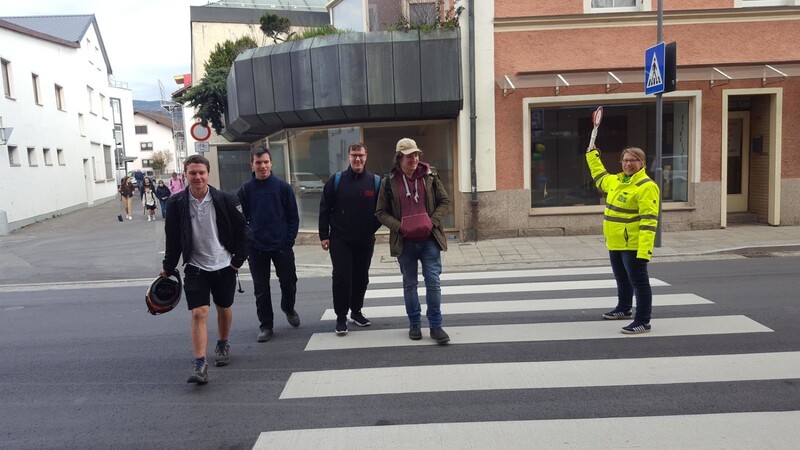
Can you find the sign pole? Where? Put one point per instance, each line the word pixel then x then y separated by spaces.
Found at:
pixel 659 118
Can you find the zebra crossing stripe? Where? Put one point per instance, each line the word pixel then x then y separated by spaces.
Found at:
pixel 549 304
pixel 544 375
pixel 748 430
pixel 510 287
pixel 539 332
pixel 504 274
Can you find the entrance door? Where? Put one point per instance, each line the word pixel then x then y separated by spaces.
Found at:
pixel 738 160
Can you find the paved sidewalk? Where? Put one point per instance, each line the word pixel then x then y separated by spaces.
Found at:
pixel 91 244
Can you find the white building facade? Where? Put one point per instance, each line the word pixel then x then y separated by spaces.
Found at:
pixel 60 154
pixel 153 133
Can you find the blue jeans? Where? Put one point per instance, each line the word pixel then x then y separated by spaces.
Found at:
pixel 163 208
pixel 632 278
pixel 429 254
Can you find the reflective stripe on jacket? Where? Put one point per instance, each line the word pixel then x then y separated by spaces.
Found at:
pixel 631 215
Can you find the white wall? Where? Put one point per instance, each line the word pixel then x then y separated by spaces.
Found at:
pixel 27 193
pixel 161 137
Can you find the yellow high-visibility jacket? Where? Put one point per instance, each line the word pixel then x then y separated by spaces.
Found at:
pixel 631 215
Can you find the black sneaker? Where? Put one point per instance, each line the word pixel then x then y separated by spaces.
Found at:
pixel 341 326
pixel 359 319
pixel 617 315
pixel 222 354
pixel 293 318
pixel 264 335
pixel 415 333
pixel 636 328
pixel 438 335
pixel 199 373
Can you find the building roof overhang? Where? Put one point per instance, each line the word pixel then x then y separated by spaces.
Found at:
pixel 719 75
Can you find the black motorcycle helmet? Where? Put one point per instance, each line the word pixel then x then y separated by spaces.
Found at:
pixel 164 294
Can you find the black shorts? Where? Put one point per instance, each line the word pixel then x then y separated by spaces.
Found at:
pixel 200 286
pixel 150 207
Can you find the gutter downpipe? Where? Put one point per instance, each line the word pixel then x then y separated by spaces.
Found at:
pixel 472 123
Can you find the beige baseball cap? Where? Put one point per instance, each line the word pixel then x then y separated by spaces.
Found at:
pixel 407 146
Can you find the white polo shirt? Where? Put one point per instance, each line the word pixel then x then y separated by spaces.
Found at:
pixel 207 252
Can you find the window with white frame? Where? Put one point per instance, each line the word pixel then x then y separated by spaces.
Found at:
pixel 59 97
pixel 109 162
pixel 146 146
pixel 13 156
pixel 90 98
pixel 32 160
pixel 37 93
pixel 60 157
pixel 48 157
pixel 608 6
pixel 8 81
pixel 757 3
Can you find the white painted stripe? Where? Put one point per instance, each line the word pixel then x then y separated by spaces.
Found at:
pixel 537 332
pixel 531 273
pixel 510 287
pixel 544 375
pixel 549 304
pixel 775 430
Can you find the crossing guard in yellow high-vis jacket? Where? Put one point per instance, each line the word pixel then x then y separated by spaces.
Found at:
pixel 630 220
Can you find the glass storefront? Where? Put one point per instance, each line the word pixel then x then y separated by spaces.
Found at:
pixel 560 135
pixel 311 156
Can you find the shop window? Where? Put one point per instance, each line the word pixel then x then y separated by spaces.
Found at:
pixel 609 6
pixel 559 136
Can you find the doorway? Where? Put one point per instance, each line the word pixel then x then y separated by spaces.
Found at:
pixel 738 156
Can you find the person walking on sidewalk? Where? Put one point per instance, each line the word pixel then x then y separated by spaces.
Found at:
pixel 271 211
pixel 630 220
pixel 163 194
pixel 207 227
pixel 126 189
pixel 176 184
pixel 347 227
pixel 149 201
pixel 412 203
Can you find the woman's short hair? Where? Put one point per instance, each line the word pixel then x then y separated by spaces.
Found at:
pixel 636 152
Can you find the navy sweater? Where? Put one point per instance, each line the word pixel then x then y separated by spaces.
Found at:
pixel 271 211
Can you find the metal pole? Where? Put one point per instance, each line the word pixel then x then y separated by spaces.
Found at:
pixel 659 119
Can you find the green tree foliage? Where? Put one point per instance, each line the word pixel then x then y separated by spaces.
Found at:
pixel 275 27
pixel 209 97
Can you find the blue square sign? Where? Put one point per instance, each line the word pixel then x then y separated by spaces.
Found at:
pixel 654 69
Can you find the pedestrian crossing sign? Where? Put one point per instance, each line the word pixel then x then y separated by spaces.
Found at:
pixel 654 69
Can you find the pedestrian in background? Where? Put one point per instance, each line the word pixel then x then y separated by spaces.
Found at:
pixel 630 220
pixel 347 226
pixel 163 194
pixel 146 182
pixel 176 184
pixel 207 228
pixel 149 202
pixel 412 203
pixel 139 177
pixel 269 205
pixel 126 189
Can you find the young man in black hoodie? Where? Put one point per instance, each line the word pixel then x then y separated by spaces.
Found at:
pixel 347 227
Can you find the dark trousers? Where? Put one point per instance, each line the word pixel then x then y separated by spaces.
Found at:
pixel 351 261
pixel 287 277
pixel 632 278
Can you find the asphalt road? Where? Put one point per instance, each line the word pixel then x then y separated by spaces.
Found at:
pixel 89 368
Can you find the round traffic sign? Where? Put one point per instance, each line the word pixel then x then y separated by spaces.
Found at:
pixel 200 132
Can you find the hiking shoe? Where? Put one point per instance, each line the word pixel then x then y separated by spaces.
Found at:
pixel 264 335
pixel 293 318
pixel 438 335
pixel 617 315
pixel 415 333
pixel 359 319
pixel 636 328
pixel 341 326
pixel 199 373
pixel 222 354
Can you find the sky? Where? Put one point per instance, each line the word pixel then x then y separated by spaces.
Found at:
pixel 146 40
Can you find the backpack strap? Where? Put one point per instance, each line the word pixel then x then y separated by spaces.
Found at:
pixel 377 183
pixel 337 177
